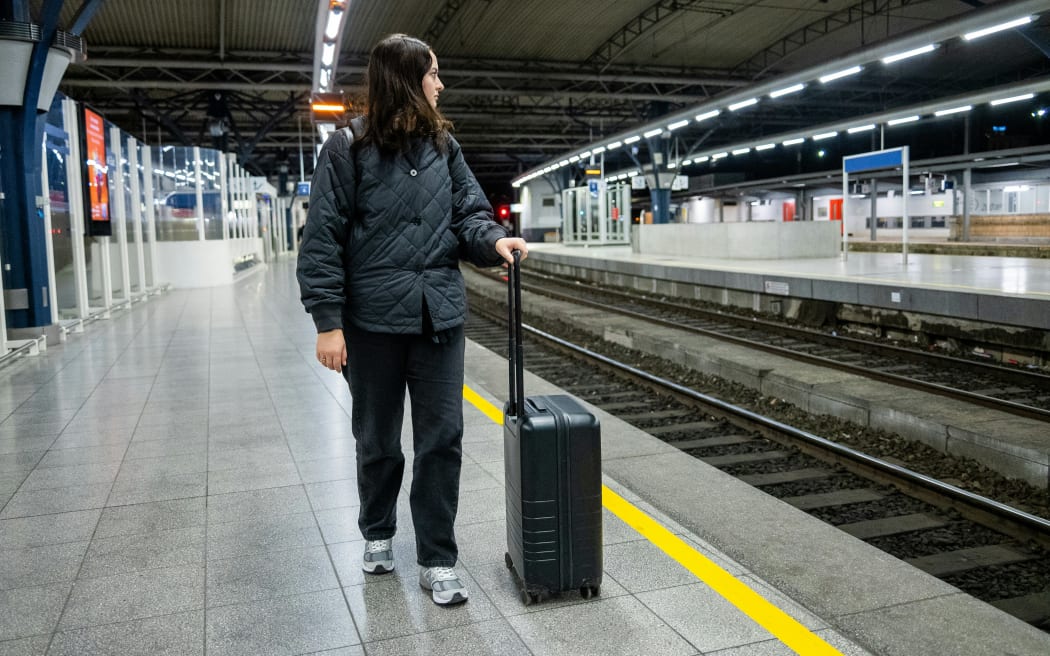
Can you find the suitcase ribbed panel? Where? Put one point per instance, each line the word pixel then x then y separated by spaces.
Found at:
pixel 553 484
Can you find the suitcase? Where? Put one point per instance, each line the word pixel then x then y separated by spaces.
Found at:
pixel 552 456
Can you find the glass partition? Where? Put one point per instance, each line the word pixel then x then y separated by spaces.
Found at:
pixel 56 159
pixel 176 176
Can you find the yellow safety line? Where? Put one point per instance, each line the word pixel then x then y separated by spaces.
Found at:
pixel 785 628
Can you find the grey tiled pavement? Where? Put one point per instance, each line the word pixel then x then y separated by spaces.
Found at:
pixel 180 480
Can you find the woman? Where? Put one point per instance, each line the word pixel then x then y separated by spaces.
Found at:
pixel 390 216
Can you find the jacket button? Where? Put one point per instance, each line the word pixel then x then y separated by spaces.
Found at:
pixel 412 173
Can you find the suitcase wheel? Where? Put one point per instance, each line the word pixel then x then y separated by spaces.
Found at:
pixel 506 559
pixel 528 599
pixel 588 591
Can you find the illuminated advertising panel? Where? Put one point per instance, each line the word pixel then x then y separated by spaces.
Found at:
pixel 96 176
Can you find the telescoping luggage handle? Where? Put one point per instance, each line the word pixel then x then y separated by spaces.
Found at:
pixel 516 357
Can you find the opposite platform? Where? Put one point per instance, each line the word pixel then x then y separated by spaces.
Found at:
pixel 1001 290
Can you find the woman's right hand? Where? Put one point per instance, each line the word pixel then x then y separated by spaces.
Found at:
pixel 331 349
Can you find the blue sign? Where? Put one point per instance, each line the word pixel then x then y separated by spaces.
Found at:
pixel 303 189
pixel 883 159
pixel 593 187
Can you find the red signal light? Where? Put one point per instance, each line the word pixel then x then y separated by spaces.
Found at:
pixel 504 211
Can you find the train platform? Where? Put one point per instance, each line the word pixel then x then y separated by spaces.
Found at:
pixel 179 479
pixel 1012 291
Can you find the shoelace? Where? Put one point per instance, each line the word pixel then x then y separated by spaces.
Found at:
pixel 376 546
pixel 442 574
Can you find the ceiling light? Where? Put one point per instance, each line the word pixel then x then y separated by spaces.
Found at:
pixel 687 162
pixel 767 146
pixel 701 159
pixel 1003 101
pixel 910 53
pixel 906 119
pixel 678 124
pixel 325 78
pixel 631 139
pixel 824 135
pixel 953 110
pixel 793 142
pixel 564 162
pixel 795 88
pixel 652 133
pixel 335 19
pixel 743 103
pixel 706 115
pixel 970 36
pixel 672 165
pixel 598 150
pixel 585 153
pixel 720 155
pixel 1015 188
pixel 328 54
pixel 741 151
pixel 834 76
pixel 861 128
pixel 574 158
pixel 614 145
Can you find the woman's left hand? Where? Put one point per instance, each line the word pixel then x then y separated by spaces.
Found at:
pixel 507 245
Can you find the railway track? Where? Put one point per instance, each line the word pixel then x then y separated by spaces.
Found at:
pixel 994 552
pixel 1017 391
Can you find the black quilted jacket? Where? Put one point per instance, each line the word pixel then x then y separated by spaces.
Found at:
pixel 383 233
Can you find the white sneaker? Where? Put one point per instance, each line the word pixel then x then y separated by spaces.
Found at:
pixel 445 587
pixel 378 558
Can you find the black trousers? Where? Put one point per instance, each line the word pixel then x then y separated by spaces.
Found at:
pixel 380 367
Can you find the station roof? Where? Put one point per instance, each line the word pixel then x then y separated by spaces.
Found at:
pixel 525 81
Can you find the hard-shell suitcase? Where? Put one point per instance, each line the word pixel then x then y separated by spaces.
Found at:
pixel 552 456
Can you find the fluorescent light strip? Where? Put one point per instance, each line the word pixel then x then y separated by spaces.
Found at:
pixel 574 159
pixel 910 53
pixel 706 115
pixel 743 103
pixel 672 165
pixel 901 121
pixel 767 146
pixel 614 145
pixel 861 128
pixel 720 155
pixel 599 150
pixel 585 153
pixel 795 88
pixel 687 162
pixel 953 110
pixel 701 159
pixel 970 36
pixel 335 19
pixel 652 133
pixel 741 151
pixel 678 124
pixel 632 139
pixel 824 135
pixel 1003 101
pixel 793 142
pixel 834 76
pixel 564 162
pixel 328 54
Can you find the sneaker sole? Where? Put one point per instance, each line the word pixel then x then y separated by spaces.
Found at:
pixel 457 598
pixel 378 568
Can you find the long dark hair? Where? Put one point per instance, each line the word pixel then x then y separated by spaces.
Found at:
pixel 397 109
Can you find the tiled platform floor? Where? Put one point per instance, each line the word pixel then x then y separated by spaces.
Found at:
pixel 180 480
